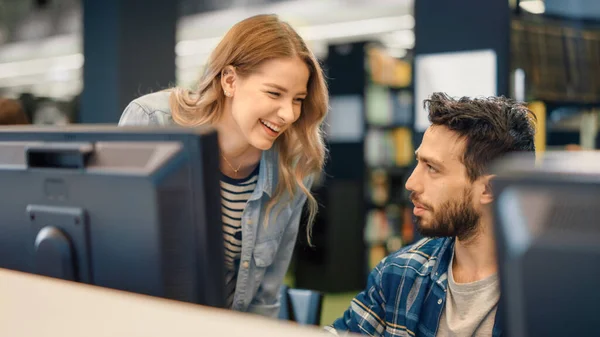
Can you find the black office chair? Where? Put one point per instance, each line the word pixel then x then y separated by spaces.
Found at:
pixel 301 306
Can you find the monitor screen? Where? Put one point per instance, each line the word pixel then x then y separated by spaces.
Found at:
pixel 135 209
pixel 547 225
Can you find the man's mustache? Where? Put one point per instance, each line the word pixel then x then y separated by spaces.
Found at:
pixel 416 201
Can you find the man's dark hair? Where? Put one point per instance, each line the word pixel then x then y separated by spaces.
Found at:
pixel 491 126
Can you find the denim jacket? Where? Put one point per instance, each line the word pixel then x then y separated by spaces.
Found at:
pixel 405 294
pixel 266 249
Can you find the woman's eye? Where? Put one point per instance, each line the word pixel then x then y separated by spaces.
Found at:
pixel 273 93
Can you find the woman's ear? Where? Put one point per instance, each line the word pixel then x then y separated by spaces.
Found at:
pixel 228 79
pixel 487 197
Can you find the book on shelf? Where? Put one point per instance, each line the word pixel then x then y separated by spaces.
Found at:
pixel 379 108
pixel 389 148
pixel 387 70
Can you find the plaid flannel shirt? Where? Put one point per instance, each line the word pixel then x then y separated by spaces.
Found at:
pixel 405 294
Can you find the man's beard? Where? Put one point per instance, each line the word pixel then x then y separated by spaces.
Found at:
pixel 455 218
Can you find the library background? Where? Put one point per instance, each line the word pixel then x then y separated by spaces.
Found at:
pixel 382 58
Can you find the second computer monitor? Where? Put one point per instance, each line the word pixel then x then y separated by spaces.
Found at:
pixel 547 225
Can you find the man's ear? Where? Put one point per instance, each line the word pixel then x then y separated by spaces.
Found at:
pixel 228 80
pixel 487 196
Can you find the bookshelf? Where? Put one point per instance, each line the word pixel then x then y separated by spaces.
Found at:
pixel 364 210
pixel 389 153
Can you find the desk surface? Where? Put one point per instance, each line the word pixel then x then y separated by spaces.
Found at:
pixel 33 305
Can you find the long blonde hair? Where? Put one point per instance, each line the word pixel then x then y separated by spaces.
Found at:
pixel 245 46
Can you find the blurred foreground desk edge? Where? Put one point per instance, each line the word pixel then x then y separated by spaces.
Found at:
pixel 32 305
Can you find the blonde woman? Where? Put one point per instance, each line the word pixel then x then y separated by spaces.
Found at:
pixel 265 93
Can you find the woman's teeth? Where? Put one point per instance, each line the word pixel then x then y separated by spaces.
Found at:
pixel 270 126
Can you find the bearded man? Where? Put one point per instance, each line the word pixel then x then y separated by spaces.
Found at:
pixel 447 283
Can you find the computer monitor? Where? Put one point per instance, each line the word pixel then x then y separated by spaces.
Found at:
pixel 547 226
pixel 129 208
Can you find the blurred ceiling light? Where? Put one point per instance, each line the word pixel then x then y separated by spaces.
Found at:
pixel 330 31
pixel 199 46
pixel 41 66
pixel 396 52
pixel 357 28
pixel 71 76
pixel 296 12
pixel 60 45
pixel 64 53
pixel 400 39
pixel 533 6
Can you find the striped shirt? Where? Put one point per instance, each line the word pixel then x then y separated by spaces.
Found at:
pixel 405 294
pixel 234 195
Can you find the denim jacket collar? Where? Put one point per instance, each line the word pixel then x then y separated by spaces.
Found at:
pixel 268 173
